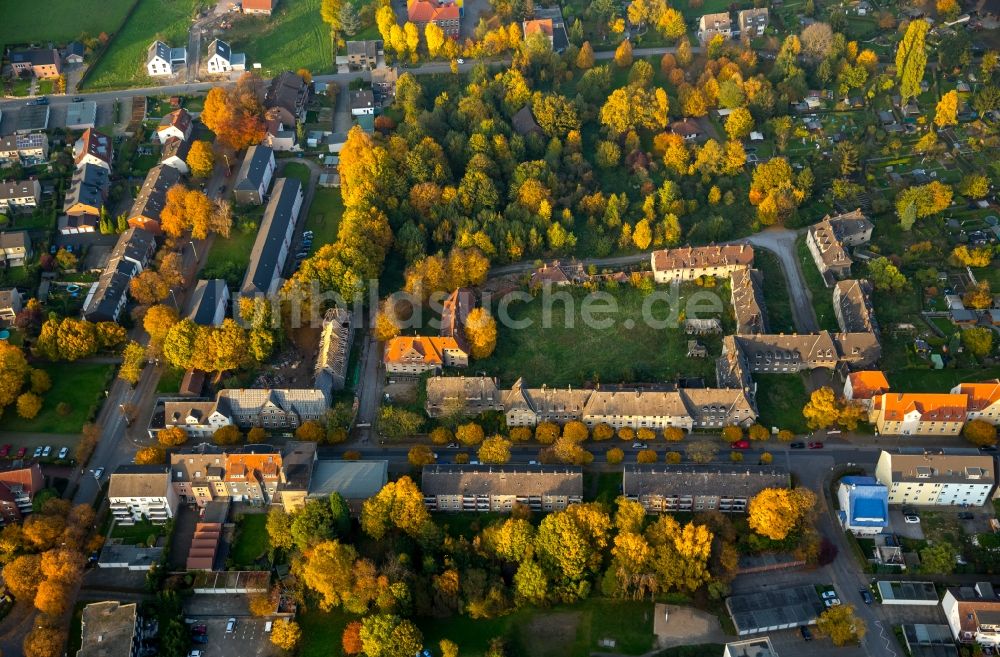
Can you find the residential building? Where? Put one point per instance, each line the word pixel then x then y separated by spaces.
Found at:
pixel 497 488
pixel 10 305
pixel 560 38
pixel 748 300
pixel 414 355
pixel 527 407
pixel 828 241
pixel 334 350
pixel 161 59
pixel 208 303
pixel 355 481
pixel 559 274
pixel 759 647
pixel 636 409
pixel 18 195
pixel 132 252
pixel 719 407
pixel 287 96
pixel 152 198
pixel 384 85
pixel 222 59
pixel 448 396
pixel 174 155
pixel 272 408
pixel 524 123
pixel 44 63
pixel 686 128
pixel 274 239
pixel 795 352
pixel 864 505
pixel 254 177
pixel 15 248
pixel 542 26
pixel 753 22
pixel 27 149
pixel 95 148
pixel 264 7
pixel 665 488
pixel 88 190
pixel 363 54
pixel 691 262
pixel 74 52
pixel 175 125
pixel 973 614
pixel 279 136
pixel 298 461
pixel 758 612
pixel 455 314
pixel 199 419
pixel 141 492
pixel 81 115
pixel 936 479
pixel 853 307
pixel 864 386
pixel 919 414
pixel 32 118
pixel 362 102
pixel 710 25
pixel 18 488
pixel 909 593
pixel 109 629
pixel 983 400
pixel 445 16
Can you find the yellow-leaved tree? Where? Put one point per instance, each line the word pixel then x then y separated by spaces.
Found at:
pixel 481 331
pixel 776 512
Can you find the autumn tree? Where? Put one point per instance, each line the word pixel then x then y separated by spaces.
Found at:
pixel 702 451
pixel 776 512
pixel 979 296
pixel 28 405
pixel 980 433
pixel 977 340
pixel 946 113
pixel 157 322
pixel 172 436
pixel 398 505
pixel 470 434
pixel 614 456
pixel 133 360
pixel 775 190
pixel 817 40
pixel 44 641
pixel 481 331
pixel 420 455
pixel 732 433
pixel 350 640
pixel 227 435
pixel 236 115
pixel 285 634
pixel 52 597
pixel 495 450
pixel 623 54
pixel 585 56
pixel 739 123
pixel 22 575
pixel 150 456
pixel 911 60
pixel 972 256
pixel 384 635
pixel 885 275
pixel 840 623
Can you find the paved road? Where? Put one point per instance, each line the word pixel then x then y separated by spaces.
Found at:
pixel 781 242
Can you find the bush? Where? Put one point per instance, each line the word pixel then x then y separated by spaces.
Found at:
pixel 646 456
pixel 980 433
pixel 576 431
pixel 626 433
pixel 766 458
pixel 673 458
pixel 673 434
pixel 442 436
pixel 63 409
pixel 732 434
pixel 615 456
pixel 546 433
pixel 735 457
pixel 757 432
pixel 462 458
pixel 520 434
pixel 646 434
pixel 603 431
pixel 786 436
pixel 352 455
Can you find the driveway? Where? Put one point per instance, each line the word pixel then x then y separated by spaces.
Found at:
pixel 781 242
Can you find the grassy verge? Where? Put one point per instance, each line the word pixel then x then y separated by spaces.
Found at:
pixel 822 296
pixel 251 541
pixel 776 299
pixel 80 385
pixel 780 398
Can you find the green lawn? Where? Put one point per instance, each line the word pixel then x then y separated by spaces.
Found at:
pixel 822 296
pixel 298 171
pixel 251 541
pixel 294 37
pixel 80 385
pixel 140 532
pixel 776 299
pixel 170 381
pixel 927 380
pixel 229 257
pixel 780 398
pixel 61 21
pixel 124 63
pixel 321 632
pixel 324 216
pixel 558 348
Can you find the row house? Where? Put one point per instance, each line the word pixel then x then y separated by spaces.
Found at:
pixel 983 400
pixel 174 154
pixel 152 198
pixel 637 409
pixel 175 125
pixel 414 355
pixel 254 177
pixel 448 396
pixel 274 239
pixel 105 300
pixel 919 414
pixel 527 407
pixel 141 492
pixel 665 488
pixel 27 150
pixel 853 307
pixel 748 300
pixel 272 408
pixel 498 488
pixel 16 195
pixel 936 479
pixel 15 248
pixel 828 241
pixel 85 198
pixel 691 262
pixel 794 353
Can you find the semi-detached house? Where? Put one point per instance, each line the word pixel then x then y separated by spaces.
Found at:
pixel 666 488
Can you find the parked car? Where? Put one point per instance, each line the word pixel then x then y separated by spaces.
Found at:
pixel 199 638
pixel 826 595
pixel 866 596
pixel 988 448
pixel 38 452
pixel 453 446
pixel 46 450
pixel 21 452
pixel 911 520
pixel 964 515
pixel 5 450
pixel 64 452
pixel 798 445
pixel 195 653
pixel 98 473
pixel 832 602
pixel 640 446
pixel 307 233
pixel 740 444
pixel 815 445
pixel 806 634
pixel 230 625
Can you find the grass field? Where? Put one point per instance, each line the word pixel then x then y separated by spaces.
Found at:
pixel 294 37
pixel 140 532
pixel 776 299
pixel 548 344
pixel 780 398
pixel 298 171
pixel 321 632
pixel 251 540
pixel 927 380
pixel 822 296
pixel 324 216
pixel 80 385
pixel 64 20
pixel 124 64
pixel 229 257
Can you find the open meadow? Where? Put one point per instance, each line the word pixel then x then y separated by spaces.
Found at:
pixel 294 37
pixel 64 20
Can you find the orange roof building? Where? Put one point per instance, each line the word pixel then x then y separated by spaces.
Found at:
pixel 984 400
pixel 445 16
pixel 916 414
pixel 418 354
pixel 539 26
pixel 865 384
pixel 259 6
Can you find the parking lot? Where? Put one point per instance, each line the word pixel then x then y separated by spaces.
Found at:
pixel 248 639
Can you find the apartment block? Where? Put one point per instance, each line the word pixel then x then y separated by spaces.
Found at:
pixel 497 488
pixel 665 488
pixel 919 414
pixel 141 492
pixel 973 614
pixel 936 479
pixel 828 241
pixel 691 262
pixel 414 355
pixel 711 25
pixel 983 400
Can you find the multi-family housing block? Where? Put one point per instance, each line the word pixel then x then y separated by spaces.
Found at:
pixel 973 614
pixel 665 488
pixel 919 414
pixel 132 252
pixel 274 239
pixel 445 15
pixel 29 149
pixel 691 262
pixel 448 396
pixel 19 195
pixel 17 492
pixel 152 198
pixel 334 350
pixel 414 355
pixel 828 241
pixel 254 177
pixel 864 385
pixel 497 488
pixel 710 25
pixel 752 22
pixel 141 492
pixel 109 629
pixel 853 308
pixel 864 505
pixel 748 300
pixel 983 400
pixel 936 479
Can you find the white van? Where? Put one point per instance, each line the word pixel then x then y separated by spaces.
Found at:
pixel 267 626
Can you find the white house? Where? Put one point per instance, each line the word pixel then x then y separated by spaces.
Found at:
pixel 973 614
pixel 176 125
pixel 199 419
pixel 161 59
pixel 936 479
pixel 138 492
pixel 222 59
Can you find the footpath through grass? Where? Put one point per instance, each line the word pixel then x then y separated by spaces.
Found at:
pixel 81 385
pixel 124 63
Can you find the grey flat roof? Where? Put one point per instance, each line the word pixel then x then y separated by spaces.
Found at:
pixel 893 590
pixel 354 480
pixel 765 611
